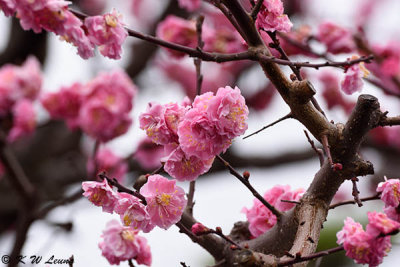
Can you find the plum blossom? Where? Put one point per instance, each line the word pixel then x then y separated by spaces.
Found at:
pixel 271 17
pixel 100 194
pixel 123 243
pixel 110 163
pixel 8 7
pixel 133 213
pixel 337 39
pixel 18 82
pixel 55 17
pixel 390 190
pixel 353 79
pixel 183 167
pixel 165 201
pixel 149 154
pixel 260 218
pixel 178 30
pixel 209 127
pixel 105 113
pixel 24 120
pixel 199 229
pixel 161 122
pixel 367 247
pixel 65 104
pixel 107 32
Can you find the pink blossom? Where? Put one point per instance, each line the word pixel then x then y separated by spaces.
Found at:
pixel 177 30
pixel 392 213
pixel 133 213
pixel 165 201
pixel 108 32
pixel 366 247
pixel 65 104
pixel 271 17
pixel 54 16
pixel 198 135
pixel 229 112
pixel 105 112
pixel 18 82
pixel 102 124
pixel 260 218
pixel 149 154
pixel 209 127
pixel 122 243
pixel 390 192
pixel 183 167
pixel 100 194
pixel 337 39
pixel 161 122
pixel 390 54
pixel 379 223
pixel 353 79
pixel 24 120
pixel 223 40
pixel 114 89
pixel 107 161
pixel 8 7
pixel 199 229
pixel 190 5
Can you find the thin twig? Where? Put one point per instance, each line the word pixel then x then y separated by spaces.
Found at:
pixel 256 9
pixel 197 61
pixel 290 201
pixel 71 261
pixel 311 256
pixel 355 192
pixel 288 116
pixel 374 197
pixel 218 232
pixel 276 212
pixel 319 151
pixel 390 121
pixel 130 263
pixel 327 148
pixel 122 188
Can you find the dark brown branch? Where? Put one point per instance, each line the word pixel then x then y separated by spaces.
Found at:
pixel 319 151
pixel 197 61
pixel 311 256
pixel 288 116
pixel 374 197
pixel 390 121
pixel 63 201
pixel 244 181
pixel 218 232
pixel 327 148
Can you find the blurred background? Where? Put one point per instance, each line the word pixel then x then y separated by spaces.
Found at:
pixel 55 158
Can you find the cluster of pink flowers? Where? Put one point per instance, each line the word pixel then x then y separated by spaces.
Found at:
pixel 352 81
pixel 367 247
pixel 19 87
pixel 122 243
pixel 260 218
pixel 336 38
pixel 193 136
pixel 390 195
pixel 106 31
pixel 165 203
pixel 271 17
pixel 183 32
pixel 107 161
pixel 100 108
